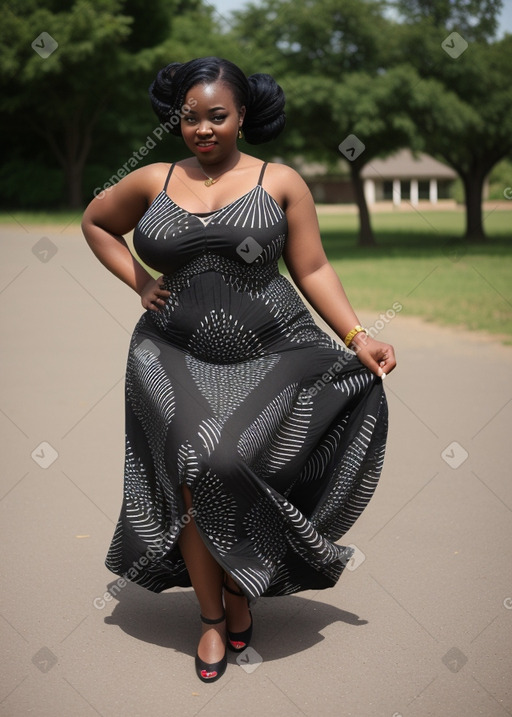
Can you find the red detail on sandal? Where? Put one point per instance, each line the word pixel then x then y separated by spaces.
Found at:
pixel 237 644
pixel 208 675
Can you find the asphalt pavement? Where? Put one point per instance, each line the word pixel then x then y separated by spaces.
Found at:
pixel 420 624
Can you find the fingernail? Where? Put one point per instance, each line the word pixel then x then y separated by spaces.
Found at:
pixel 383 375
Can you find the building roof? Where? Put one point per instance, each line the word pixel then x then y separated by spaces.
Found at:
pixel 403 165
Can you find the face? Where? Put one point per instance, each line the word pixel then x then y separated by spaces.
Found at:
pixel 210 127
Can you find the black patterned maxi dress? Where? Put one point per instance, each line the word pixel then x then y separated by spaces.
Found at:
pixel 233 390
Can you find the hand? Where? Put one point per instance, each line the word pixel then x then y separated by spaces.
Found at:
pixel 375 355
pixel 153 295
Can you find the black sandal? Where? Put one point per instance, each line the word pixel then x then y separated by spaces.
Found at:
pixel 209 672
pixel 238 641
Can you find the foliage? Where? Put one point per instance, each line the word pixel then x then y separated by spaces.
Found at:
pixel 474 19
pixel 500 181
pixel 329 58
pixel 462 107
pixel 87 101
pixel 350 69
pixel 347 68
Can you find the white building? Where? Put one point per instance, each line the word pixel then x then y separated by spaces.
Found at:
pixel 402 176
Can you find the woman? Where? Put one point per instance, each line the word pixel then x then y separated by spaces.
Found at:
pixel 253 440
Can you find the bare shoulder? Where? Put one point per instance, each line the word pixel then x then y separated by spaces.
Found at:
pixel 121 204
pixel 285 184
pixel 148 180
pixel 284 173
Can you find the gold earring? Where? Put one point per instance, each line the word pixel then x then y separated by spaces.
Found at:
pixel 240 135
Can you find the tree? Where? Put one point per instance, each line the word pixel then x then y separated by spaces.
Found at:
pixel 63 93
pixel 360 119
pixel 462 106
pixel 343 65
pixel 87 97
pixel 474 19
pixel 329 58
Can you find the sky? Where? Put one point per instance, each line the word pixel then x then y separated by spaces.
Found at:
pixel 224 7
pixel 506 16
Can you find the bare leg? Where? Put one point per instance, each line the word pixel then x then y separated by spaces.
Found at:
pixel 237 608
pixel 207 577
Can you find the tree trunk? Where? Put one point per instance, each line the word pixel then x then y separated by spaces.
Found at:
pixel 73 172
pixel 71 146
pixel 77 143
pixel 473 189
pixel 366 237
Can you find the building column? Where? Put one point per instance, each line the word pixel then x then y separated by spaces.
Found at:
pixel 369 191
pixel 397 192
pixel 414 192
pixel 432 192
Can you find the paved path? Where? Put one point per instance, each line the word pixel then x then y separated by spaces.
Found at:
pixel 420 625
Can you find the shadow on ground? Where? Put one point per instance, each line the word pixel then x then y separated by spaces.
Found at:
pixel 283 625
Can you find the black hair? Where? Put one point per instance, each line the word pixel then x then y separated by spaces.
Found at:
pixel 262 97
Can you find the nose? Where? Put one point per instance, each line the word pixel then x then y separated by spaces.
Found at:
pixel 204 127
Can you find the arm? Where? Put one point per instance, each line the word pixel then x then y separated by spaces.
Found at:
pixel 116 212
pixel 315 277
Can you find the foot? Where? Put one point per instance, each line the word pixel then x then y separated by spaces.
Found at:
pixel 212 644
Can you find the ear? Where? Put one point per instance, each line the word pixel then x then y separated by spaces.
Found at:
pixel 241 114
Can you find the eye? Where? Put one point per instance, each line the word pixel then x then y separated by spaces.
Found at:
pixel 219 118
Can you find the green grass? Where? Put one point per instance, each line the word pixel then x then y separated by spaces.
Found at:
pixel 421 262
pixel 63 217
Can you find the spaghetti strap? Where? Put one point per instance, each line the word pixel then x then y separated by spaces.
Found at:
pixel 262 172
pixel 168 177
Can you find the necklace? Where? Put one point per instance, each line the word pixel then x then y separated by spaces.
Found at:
pixel 211 180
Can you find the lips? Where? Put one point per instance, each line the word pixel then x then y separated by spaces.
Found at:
pixel 205 146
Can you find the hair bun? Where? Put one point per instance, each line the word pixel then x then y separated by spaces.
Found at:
pixel 265 116
pixel 162 92
pixel 260 94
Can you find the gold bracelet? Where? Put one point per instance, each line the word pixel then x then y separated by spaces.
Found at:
pixel 349 337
